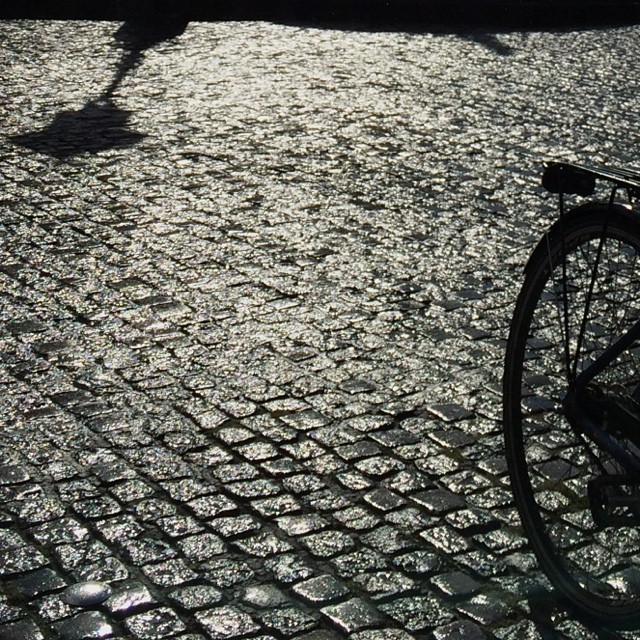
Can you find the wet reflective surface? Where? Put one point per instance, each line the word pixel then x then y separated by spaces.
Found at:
pixel 250 359
pixel 85 594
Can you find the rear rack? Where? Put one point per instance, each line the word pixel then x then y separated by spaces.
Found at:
pixel 577 179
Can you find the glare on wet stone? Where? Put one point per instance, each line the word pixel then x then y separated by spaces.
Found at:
pixel 253 334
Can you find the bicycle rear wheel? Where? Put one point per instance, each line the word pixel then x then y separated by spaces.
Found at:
pixel 581 292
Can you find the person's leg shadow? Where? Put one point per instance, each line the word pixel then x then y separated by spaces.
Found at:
pixel 101 124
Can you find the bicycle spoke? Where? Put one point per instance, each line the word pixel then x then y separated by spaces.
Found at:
pixel 587 302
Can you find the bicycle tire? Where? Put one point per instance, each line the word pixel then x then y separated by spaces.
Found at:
pixel 596 567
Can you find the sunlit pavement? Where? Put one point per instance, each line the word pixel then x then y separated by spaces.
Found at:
pixel 256 281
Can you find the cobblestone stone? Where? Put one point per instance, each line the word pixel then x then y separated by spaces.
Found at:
pixel 128 599
pixel 88 624
pixel 288 569
pixel 20 560
pixel 456 583
pixel 38 582
pixel 195 597
pixel 226 622
pixel 322 589
pixel 463 630
pixel 385 584
pixel 352 615
pixel 287 620
pixel 24 630
pixel 418 613
pixel 486 609
pixel 155 625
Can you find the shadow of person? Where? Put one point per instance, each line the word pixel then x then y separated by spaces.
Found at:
pixel 100 124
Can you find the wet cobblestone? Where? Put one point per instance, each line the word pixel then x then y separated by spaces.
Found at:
pixel 256 281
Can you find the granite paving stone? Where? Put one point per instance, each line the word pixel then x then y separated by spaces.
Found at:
pixel 281 467
pixel 358 518
pixel 384 500
pixel 11 539
pixel 264 596
pixel 211 506
pixel 85 625
pixel 385 584
pixel 320 635
pixel 51 607
pixel 418 613
pixel 191 598
pixel 502 541
pixel 287 620
pixel 446 539
pixel 257 276
pixel 419 563
pixel 129 598
pixel 272 507
pixel 146 550
pixel 201 547
pixel 410 519
pixel 299 525
pixel 226 622
pixel 462 630
pixel 38 582
pixel 438 501
pixel 456 583
pixel 327 544
pixel 131 490
pixel 179 526
pixel 486 608
pixel 472 521
pixel 20 560
pixel 8 612
pixel 483 563
pixel 14 474
pixel 262 545
pixel 169 573
pixel 122 529
pixel 288 569
pixel 352 564
pixel 354 480
pixel 227 572
pixel 321 589
pixel 352 615
pixel 379 634
pixel 108 569
pixel 156 624
pixel 234 526
pixel 37 508
pixel 387 539
pixel 23 630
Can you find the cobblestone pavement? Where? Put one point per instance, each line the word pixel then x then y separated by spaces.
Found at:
pixel 256 280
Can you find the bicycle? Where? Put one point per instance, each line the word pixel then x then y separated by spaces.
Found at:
pixel 571 396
